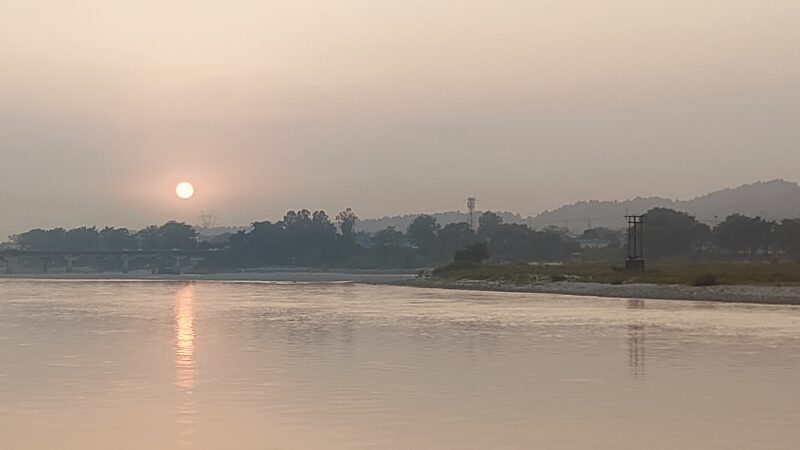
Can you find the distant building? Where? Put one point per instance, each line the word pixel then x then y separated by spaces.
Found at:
pixel 593 243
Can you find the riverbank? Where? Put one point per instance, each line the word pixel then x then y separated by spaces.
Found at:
pixel 757 294
pixel 669 273
pixel 299 276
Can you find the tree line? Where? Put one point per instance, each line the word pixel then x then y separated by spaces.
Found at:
pixel 670 234
pixel 315 239
pixel 171 235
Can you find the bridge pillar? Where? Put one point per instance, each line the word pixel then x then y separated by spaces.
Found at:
pixel 178 259
pixel 70 262
pixel 126 259
pixel 11 262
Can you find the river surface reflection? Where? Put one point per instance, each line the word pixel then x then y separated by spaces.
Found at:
pixel 213 365
pixel 184 358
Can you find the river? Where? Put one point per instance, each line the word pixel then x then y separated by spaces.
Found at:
pixel 249 365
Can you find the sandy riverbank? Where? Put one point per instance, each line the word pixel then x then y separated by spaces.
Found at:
pixel 760 294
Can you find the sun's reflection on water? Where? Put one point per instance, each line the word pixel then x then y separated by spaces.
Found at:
pixel 184 358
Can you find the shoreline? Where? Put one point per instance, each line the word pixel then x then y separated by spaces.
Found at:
pixel 299 276
pixel 753 294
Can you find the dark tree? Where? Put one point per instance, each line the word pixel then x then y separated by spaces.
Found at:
pixel 552 244
pixel 388 249
pixel 263 245
pixel 297 222
pixel 297 226
pixel 422 232
pixel 348 245
pixel 117 239
pixel 321 224
pixel 347 222
pixel 787 237
pixel 387 238
pixel 452 237
pixel 511 242
pixel 83 238
pixel 742 234
pixel 322 241
pixel 487 224
pixel 671 234
pixel 39 239
pixel 177 235
pixel 238 249
pixel 477 253
pixel 150 238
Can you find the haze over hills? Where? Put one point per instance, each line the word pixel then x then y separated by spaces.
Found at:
pixel 772 200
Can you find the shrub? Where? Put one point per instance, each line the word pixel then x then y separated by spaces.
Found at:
pixel 476 253
pixel 707 279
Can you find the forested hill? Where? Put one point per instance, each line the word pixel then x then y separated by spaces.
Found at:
pixel 772 200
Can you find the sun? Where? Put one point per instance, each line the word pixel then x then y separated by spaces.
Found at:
pixel 184 190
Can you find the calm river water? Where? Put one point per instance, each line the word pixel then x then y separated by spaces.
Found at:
pixel 221 365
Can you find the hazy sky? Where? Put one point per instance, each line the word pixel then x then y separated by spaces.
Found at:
pixel 385 106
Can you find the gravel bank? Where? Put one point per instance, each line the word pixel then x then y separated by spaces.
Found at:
pixel 761 294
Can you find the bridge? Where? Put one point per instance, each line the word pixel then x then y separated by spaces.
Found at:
pixel 12 258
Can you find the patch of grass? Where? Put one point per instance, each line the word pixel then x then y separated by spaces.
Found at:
pixel 659 273
pixel 455 267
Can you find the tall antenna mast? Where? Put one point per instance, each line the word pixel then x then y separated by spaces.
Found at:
pixel 471 201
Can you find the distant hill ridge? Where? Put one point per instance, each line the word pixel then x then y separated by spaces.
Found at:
pixel 772 200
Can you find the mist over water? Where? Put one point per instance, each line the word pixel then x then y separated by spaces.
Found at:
pixel 124 365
